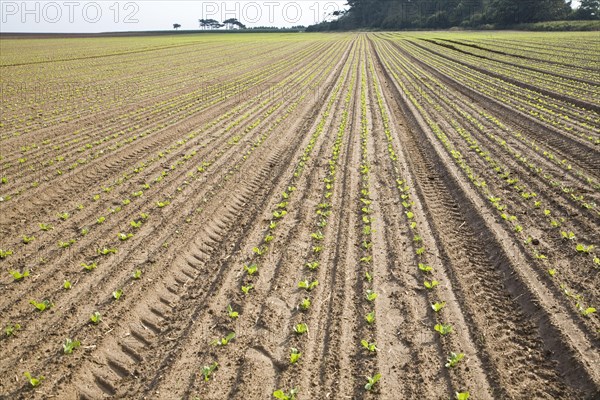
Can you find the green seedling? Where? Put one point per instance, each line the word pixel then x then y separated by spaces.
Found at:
pixel 64 216
pixel 136 225
pixel 371 295
pixel 67 285
pixel 443 329
pixel 42 306
pixel 305 304
pixel 425 268
pixel 224 341
pixel 370 317
pixel 281 395
pixel 568 235
pixel 70 345
pixel 137 274
pixel 106 251
pixel 454 359
pixel 269 238
pixel 279 214
pixel 371 381
pixel 89 267
pixel 312 265
pixel 462 395
pixel 28 239
pixel 232 314
pixel 247 288
pixel 581 248
pixel 207 370
pixel 5 253
pixel 100 220
pixel 294 355
pixel 251 269
pixel 309 286
pixel 18 276
pixel 368 276
pixel 317 249
pixel 144 216
pixel 124 236
pixel 301 329
pixel 84 231
pixel 273 225
pixel 585 311
pixel 317 236
pixel 438 306
pixel 260 251
pixel 367 259
pixel 117 294
pixel 11 330
pixel 161 204
pixel 64 245
pixel 96 317
pixel 372 347
pixel 45 227
pixel 431 284
pixel 33 381
pixel 420 251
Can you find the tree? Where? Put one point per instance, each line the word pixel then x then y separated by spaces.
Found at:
pixel 176 26
pixel 588 9
pixel 209 23
pixel 231 22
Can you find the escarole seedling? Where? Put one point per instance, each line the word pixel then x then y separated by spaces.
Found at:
pixel 371 381
pixel 232 314
pixel 69 345
pixel 207 370
pixel 370 317
pixel 371 295
pixel 5 253
pixel 308 285
pixel 454 359
pixel 312 265
pixel 95 318
pixel 33 381
pixel 251 269
pixel 294 355
pixel 301 329
pixel 224 341
pixel 443 329
pixel 11 330
pixel 431 284
pixel 425 268
pixel 462 395
pixel 246 289
pixel 18 276
pixel 89 267
pixel 438 306
pixel 281 395
pixel 372 347
pixel 305 304
pixel 41 306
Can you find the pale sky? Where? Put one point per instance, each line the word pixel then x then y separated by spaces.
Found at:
pixel 73 16
pixel 142 15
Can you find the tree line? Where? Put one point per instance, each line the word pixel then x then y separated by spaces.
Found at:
pixel 443 14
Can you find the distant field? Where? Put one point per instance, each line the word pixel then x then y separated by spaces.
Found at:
pixel 352 216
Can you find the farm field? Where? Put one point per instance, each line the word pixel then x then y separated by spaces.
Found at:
pixel 309 216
